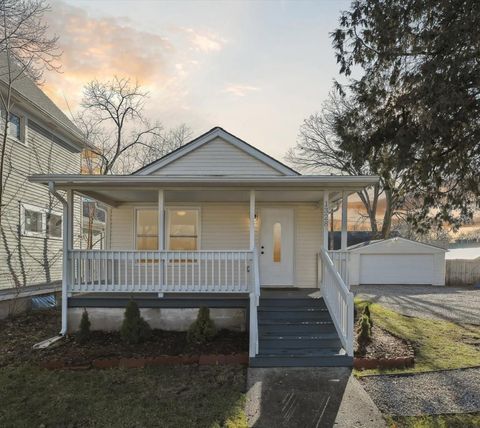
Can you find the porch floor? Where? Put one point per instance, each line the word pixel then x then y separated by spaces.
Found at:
pixel 187 300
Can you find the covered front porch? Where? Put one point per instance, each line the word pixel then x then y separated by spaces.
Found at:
pixel 243 235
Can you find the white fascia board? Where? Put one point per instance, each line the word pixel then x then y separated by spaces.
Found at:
pixel 209 136
pixel 67 180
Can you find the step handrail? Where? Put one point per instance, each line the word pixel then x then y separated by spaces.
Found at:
pixel 339 301
pixel 254 302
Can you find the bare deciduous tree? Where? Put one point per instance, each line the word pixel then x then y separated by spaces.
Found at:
pixel 318 149
pixel 26 50
pixel 114 123
pixel 120 137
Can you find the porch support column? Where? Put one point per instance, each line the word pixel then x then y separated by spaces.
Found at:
pixel 67 278
pixel 161 219
pixel 70 219
pixel 252 220
pixel 344 221
pixel 326 209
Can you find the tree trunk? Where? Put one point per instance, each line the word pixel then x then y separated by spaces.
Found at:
pixel 387 218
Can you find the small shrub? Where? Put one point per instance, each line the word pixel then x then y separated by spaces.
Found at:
pixel 366 311
pixel 134 328
pixel 203 329
pixel 364 332
pixel 83 333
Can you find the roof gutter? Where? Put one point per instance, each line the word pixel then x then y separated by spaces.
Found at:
pixel 66 246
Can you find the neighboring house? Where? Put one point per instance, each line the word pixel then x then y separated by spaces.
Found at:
pixel 397 261
pixel 217 223
pixel 41 140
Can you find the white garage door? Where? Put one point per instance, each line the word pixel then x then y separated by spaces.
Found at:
pixel 396 269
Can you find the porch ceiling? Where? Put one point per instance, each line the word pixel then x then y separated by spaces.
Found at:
pixel 115 190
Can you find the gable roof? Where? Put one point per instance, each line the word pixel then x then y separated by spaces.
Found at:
pixel 208 136
pixel 29 92
pixel 397 238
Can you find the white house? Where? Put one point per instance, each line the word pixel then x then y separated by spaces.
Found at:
pixel 396 261
pixel 217 223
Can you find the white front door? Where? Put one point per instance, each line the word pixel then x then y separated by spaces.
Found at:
pixel 276 246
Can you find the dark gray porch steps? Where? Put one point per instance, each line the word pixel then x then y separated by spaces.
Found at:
pixel 297 333
pixel 291 303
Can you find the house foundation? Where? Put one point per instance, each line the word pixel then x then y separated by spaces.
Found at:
pixel 110 319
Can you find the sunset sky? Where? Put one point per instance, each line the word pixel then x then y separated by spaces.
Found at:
pixel 255 68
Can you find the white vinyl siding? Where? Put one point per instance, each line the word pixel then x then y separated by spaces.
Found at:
pixel 218 157
pixel 225 226
pixel 39 155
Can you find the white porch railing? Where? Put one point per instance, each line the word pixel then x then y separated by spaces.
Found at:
pixel 161 271
pixel 338 299
pixel 340 259
pixel 169 271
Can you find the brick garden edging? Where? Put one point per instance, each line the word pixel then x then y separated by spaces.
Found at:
pixel 383 363
pixel 142 362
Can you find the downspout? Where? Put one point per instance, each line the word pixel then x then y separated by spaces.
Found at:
pixel 66 246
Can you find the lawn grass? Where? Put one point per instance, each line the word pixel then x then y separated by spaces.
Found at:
pixel 439 345
pixel 468 420
pixel 186 396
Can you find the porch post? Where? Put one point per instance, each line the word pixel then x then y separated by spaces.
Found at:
pixel 161 238
pixel 252 220
pixel 325 219
pixel 344 220
pixel 161 219
pixel 68 220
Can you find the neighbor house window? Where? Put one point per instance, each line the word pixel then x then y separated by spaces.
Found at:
pixel 183 227
pixel 40 222
pixel 32 220
pixel 146 229
pixel 94 224
pixel 54 225
pixel 14 126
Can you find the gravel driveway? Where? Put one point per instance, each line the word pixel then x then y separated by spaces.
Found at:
pixel 449 391
pixel 459 305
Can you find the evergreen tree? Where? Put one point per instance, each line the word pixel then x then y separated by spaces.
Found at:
pixel 417 98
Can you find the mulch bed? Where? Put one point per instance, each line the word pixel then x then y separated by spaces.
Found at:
pixel 18 335
pixel 384 351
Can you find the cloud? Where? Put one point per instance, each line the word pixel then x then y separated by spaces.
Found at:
pixel 205 41
pixel 240 90
pixel 101 47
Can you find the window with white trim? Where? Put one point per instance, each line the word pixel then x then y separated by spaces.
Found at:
pixel 146 229
pixel 16 125
pixel 40 222
pixel 183 229
pixel 54 225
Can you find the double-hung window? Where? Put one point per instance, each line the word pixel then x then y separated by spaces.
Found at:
pixel 15 126
pixel 146 229
pixel 183 229
pixel 40 222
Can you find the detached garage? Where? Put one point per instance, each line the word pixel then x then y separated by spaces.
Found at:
pixel 396 261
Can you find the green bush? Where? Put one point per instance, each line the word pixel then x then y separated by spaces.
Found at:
pixel 364 332
pixel 366 311
pixel 134 328
pixel 203 329
pixel 83 333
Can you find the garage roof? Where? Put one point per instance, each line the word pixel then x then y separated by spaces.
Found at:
pixel 390 241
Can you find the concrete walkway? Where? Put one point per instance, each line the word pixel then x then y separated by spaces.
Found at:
pixel 458 305
pixel 304 398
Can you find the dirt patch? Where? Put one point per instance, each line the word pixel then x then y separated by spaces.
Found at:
pixel 17 335
pixel 384 346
